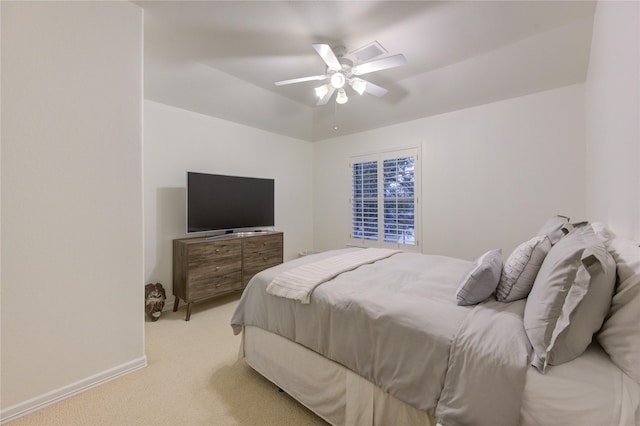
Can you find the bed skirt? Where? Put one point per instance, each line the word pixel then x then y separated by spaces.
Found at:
pixel 330 390
pixel 565 395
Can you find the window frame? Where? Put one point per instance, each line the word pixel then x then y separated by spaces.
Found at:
pixel 379 158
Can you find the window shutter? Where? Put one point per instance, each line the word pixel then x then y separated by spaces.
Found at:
pixel 399 200
pixel 364 204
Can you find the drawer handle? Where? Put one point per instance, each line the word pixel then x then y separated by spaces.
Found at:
pixel 264 258
pixel 217 268
pixel 218 285
pixel 217 250
pixel 264 243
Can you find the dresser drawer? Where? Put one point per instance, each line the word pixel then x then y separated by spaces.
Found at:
pixel 262 259
pixel 256 262
pixel 215 267
pixel 205 288
pixel 201 253
pixel 263 243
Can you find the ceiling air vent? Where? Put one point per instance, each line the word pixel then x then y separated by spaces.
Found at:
pixel 369 51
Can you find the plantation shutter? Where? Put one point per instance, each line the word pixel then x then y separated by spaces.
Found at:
pixel 399 200
pixel 364 190
pixel 383 199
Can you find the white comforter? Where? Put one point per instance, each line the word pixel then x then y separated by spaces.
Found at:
pixel 395 322
pixel 298 283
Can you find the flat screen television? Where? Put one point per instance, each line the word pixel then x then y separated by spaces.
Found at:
pixel 220 202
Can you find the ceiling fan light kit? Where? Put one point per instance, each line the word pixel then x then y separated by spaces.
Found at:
pixel 341 97
pixel 341 71
pixel 321 91
pixel 358 85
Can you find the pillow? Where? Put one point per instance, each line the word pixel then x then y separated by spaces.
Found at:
pixel 521 268
pixel 625 254
pixel 481 280
pixel 553 228
pixel 570 298
pixel 620 333
pixel 602 232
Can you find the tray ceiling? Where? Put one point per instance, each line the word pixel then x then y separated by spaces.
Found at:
pixel 222 58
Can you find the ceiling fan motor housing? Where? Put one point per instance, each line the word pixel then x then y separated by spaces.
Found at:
pixel 339 51
pixel 339 77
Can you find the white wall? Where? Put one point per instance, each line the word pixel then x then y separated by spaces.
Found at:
pixel 71 235
pixel 613 118
pixel 491 175
pixel 177 140
pixel 72 248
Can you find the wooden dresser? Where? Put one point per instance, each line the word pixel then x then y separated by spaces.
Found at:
pixel 209 267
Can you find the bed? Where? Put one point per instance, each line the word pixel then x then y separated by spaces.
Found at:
pixel 409 338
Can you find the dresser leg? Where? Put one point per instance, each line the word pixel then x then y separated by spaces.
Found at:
pixel 188 311
pixel 175 303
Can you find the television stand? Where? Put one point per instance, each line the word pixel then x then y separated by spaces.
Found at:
pixel 207 267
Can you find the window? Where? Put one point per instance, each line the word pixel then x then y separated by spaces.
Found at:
pixel 384 198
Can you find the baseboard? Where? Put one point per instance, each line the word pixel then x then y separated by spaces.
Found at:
pixel 34 404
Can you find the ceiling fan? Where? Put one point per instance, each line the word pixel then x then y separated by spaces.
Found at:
pixel 342 71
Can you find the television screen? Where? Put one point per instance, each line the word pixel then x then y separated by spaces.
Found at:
pixel 220 202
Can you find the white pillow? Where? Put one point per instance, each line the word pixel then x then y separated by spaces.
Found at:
pixel 521 268
pixel 605 234
pixel 552 228
pixel 570 298
pixel 620 333
pixel 481 280
pixel 625 253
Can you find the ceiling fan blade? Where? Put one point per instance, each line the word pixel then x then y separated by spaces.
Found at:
pixel 327 55
pixel 379 64
pixel 374 89
pixel 325 98
pixel 302 79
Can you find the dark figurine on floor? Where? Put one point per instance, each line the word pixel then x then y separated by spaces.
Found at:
pixel 154 300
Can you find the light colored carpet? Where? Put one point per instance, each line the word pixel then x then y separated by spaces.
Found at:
pixel 194 377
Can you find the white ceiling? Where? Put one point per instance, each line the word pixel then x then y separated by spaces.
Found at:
pixel 222 58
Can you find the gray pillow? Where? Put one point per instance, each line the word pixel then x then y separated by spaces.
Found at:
pixel 553 228
pixel 521 268
pixel 570 298
pixel 480 281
